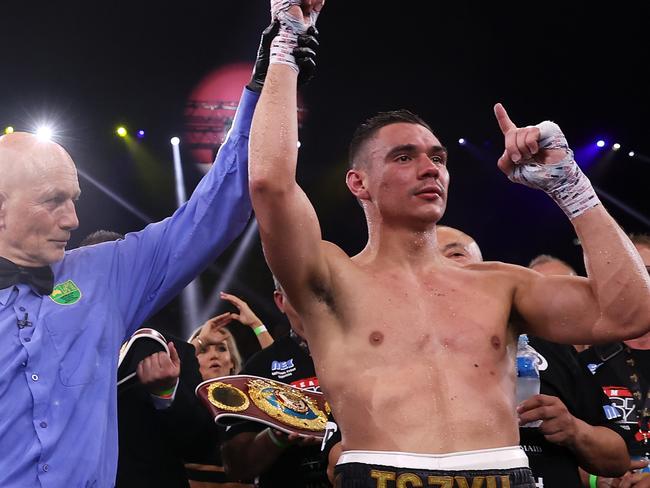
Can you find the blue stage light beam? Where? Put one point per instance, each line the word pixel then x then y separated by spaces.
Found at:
pixel 115 197
pixel 622 206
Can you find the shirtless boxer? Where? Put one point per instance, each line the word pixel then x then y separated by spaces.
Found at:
pixel 415 353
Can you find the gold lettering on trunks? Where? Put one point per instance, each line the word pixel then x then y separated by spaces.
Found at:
pixel 441 481
pixel 477 482
pixel 382 477
pixel 413 481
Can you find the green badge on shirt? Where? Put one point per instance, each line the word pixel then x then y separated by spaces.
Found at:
pixel 66 293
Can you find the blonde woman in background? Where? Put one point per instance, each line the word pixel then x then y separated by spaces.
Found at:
pixel 218 355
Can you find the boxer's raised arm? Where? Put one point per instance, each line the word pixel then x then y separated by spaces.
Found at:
pixel 289 227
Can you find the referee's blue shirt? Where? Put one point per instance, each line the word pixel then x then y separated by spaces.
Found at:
pixel 58 425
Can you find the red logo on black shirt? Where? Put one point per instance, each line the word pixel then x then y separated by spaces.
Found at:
pixel 622 400
pixel 307 384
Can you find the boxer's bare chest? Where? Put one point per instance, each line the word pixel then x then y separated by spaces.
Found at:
pixel 387 314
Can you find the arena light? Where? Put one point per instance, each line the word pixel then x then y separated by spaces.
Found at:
pixel 121 131
pixel 616 146
pixel 44 133
pixel 9 130
pixel 462 141
pixel 600 143
pixel 298 144
pixel 631 154
pixel 175 141
pixel 140 133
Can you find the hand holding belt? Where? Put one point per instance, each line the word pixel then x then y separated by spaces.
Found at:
pixel 281 406
pixel 144 342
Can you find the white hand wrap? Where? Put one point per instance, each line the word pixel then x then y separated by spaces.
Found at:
pixel 290 28
pixel 564 181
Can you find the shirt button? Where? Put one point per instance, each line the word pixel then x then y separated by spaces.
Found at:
pixel 43 425
pixel 35 377
pixel 22 309
pixel 46 467
pixel 27 339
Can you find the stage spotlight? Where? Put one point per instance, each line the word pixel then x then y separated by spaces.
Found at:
pixel 140 133
pixel 616 146
pixel 9 130
pixel 298 144
pixel 462 141
pixel 175 141
pixel 600 143
pixel 44 133
pixel 631 154
pixel 121 131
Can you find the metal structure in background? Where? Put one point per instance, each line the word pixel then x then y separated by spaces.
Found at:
pixel 207 132
pixel 208 121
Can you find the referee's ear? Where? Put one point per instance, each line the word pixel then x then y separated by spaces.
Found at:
pixel 279 299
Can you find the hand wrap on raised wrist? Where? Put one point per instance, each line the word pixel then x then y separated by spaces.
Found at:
pixel 291 27
pixel 564 181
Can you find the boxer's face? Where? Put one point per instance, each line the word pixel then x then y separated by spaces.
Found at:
pixel 406 176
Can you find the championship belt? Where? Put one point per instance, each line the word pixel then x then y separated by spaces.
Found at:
pixel 144 342
pixel 278 405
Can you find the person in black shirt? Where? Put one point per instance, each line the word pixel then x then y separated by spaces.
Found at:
pixel 623 371
pixel 253 450
pixel 154 443
pixel 574 404
pixel 553 460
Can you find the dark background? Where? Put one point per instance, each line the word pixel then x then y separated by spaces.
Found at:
pixel 91 67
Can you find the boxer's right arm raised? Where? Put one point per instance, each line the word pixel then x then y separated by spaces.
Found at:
pixel 288 224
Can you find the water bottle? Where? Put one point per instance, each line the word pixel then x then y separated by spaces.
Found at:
pixel 527 374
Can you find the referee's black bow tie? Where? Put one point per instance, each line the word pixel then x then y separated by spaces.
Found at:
pixel 40 279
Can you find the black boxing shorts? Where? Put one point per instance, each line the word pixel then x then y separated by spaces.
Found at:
pixel 486 468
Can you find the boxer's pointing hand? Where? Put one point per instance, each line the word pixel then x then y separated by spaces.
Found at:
pixel 522 144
